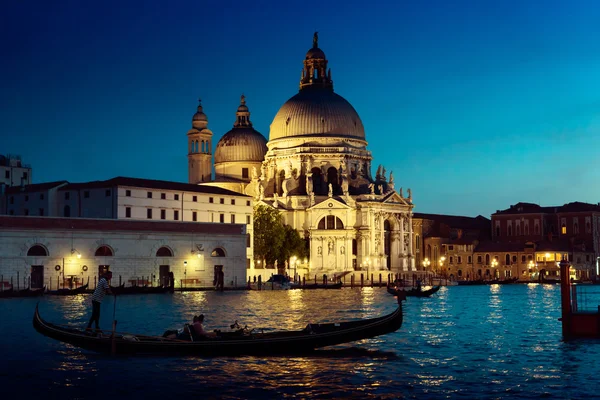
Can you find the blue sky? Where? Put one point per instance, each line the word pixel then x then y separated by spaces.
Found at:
pixel 474 105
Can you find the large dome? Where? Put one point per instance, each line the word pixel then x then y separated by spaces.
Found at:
pixel 241 144
pixel 317 112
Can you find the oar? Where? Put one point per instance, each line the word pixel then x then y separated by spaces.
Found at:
pixel 113 345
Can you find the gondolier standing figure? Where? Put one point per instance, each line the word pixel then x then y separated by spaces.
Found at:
pixel 97 298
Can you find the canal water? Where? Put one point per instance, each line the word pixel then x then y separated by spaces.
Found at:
pixel 464 342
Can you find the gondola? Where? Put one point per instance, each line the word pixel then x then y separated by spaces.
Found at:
pixel 22 293
pixel 239 342
pixel 471 283
pixel 413 292
pixel 69 292
pixel 121 290
pixel 337 285
pixel 503 281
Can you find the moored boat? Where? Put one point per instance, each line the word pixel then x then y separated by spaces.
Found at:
pixel 414 292
pixel 240 342
pixel 121 290
pixel 337 285
pixel 22 293
pixel 70 292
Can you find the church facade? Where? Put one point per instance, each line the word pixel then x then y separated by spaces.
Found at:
pixel 316 170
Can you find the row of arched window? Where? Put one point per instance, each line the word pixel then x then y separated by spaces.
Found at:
pixel 202 146
pixel 105 251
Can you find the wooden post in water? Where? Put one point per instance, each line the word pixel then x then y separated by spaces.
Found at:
pixel 565 298
pixel 362 280
pixel 379 280
pixel 303 281
pixel 352 281
pixel 371 279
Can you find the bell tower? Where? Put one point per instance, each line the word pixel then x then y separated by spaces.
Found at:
pixel 199 149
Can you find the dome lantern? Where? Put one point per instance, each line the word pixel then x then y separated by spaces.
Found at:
pixel 315 72
pixel 199 120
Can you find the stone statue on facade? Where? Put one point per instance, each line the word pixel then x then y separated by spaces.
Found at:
pixel 330 194
pixel 311 198
pixel 409 195
pixel 378 173
pixel 316 39
pixel 400 193
pixel 261 192
pixel 309 182
pixel 383 173
pixel 380 188
pixel 372 188
pixel 254 173
pixel 275 200
pixel 330 247
pixel 391 182
pixel 319 251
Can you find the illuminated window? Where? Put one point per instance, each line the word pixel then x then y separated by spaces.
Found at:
pixel 563 229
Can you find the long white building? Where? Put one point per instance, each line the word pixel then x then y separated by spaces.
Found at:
pixel 48 251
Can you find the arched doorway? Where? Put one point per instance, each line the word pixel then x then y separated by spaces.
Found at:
pixel 164 269
pixel 317 180
pixel 103 251
pixel 219 274
pixel 36 280
pixel 387 243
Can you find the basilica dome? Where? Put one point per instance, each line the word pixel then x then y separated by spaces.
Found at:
pixel 316 110
pixel 243 142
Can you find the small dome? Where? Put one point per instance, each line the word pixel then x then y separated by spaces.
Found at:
pixel 241 144
pixel 315 53
pixel 200 116
pixel 316 112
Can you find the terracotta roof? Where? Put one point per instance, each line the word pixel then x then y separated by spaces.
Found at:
pixel 577 206
pixel 457 221
pixel 37 187
pixel 152 184
pixel 526 208
pixel 52 223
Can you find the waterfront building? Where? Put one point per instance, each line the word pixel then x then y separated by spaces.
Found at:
pixel 13 172
pixel 543 236
pixel 51 251
pixel 316 170
pixel 444 244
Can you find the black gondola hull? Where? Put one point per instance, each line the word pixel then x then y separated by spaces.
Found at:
pixel 229 344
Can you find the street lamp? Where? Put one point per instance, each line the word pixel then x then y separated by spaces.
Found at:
pixel 442 259
pixel 426 263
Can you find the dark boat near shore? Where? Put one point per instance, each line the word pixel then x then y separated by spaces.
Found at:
pixel 469 283
pixel 22 293
pixel 241 342
pixel 503 281
pixel 413 292
pixel 337 285
pixel 69 292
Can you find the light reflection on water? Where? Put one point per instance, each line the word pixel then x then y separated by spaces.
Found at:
pixel 499 341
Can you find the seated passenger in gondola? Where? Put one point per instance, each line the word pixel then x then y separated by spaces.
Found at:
pixel 198 332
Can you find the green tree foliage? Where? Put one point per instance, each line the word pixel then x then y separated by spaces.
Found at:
pixel 269 234
pixel 273 240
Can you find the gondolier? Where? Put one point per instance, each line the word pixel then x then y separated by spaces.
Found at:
pixel 102 288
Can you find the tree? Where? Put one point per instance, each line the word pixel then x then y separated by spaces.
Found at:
pixel 273 240
pixel 269 234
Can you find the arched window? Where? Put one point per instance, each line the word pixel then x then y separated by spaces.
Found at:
pixel 67 211
pixel 164 252
pixel 104 251
pixel 417 242
pixel 317 180
pixel 37 251
pixel 218 252
pixel 330 222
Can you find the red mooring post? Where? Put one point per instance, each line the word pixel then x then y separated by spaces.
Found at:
pixel 565 298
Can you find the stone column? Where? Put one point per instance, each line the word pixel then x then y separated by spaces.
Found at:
pixel 410 244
